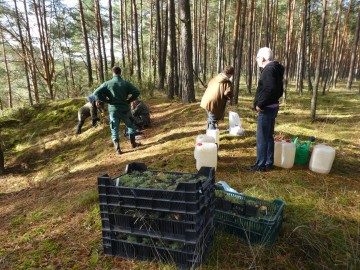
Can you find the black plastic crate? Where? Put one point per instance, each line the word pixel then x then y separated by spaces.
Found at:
pixel 143 224
pixel 260 227
pixel 188 197
pixel 154 204
pixel 185 191
pixel 188 256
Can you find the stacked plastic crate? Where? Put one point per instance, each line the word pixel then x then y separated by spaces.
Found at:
pixel 253 220
pixel 174 226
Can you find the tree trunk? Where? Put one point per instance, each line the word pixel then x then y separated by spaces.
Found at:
pixel 105 71
pixel 187 80
pixel 122 33
pixel 150 65
pixel 86 43
pixel 30 54
pixel 235 63
pixel 354 51
pixel 10 101
pixel 308 48
pixel 334 46
pixel 111 36
pixel 98 39
pixel 26 69
pixel 159 30
pixel 318 63
pixel 127 40
pixel 250 44
pixel 45 48
pixel 173 74
pixel 137 41
pixel 205 39
pixel 303 50
pixel 219 42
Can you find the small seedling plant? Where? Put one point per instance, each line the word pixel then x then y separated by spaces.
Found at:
pixel 156 180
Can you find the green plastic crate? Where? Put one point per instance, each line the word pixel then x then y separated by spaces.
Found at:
pixel 262 229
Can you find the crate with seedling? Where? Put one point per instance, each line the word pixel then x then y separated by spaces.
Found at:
pixel 254 220
pixel 153 207
pixel 158 190
pixel 182 253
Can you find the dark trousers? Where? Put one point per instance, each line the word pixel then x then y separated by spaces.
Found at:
pixel 265 137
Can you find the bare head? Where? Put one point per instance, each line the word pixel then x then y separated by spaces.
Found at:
pixel 116 71
pixel 264 56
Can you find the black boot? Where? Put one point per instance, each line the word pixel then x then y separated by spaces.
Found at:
pixel 78 128
pixel 117 147
pixel 132 140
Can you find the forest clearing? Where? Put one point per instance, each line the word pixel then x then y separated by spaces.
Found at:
pixel 58 200
pixel 49 199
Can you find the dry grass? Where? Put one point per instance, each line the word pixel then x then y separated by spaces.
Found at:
pixel 49 215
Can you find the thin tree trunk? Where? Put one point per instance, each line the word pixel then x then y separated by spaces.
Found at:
pixel 205 39
pixel 137 41
pixel 30 54
pixel 122 32
pixel 159 45
pixel 318 63
pixel 86 43
pixel 151 39
pixel 45 49
pixel 112 56
pixel 308 48
pixel 353 53
pixel 250 44
pixel 188 91
pixel 127 40
pixel 334 46
pixel 103 44
pixel 219 36
pixel 98 38
pixel 7 71
pixel 235 63
pixel 173 77
pixel 26 68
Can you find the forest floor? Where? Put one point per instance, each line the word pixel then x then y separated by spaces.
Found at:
pixel 49 210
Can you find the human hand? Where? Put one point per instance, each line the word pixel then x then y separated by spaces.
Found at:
pixel 257 108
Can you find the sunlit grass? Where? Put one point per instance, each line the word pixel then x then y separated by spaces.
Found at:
pixel 50 200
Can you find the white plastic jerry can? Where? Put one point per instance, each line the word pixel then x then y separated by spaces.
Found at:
pixel 322 159
pixel 205 155
pixel 284 154
pixel 201 139
pixel 215 133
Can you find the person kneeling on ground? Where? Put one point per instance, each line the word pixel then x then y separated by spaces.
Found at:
pixel 140 114
pixel 91 108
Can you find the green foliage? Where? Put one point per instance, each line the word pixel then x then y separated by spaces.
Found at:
pixel 158 180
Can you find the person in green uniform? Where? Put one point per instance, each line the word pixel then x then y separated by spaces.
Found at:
pixel 119 94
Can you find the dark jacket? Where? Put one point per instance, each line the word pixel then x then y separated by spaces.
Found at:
pixel 270 85
pixel 141 115
pixel 218 92
pixel 116 92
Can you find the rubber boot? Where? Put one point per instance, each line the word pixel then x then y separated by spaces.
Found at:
pixel 132 140
pixel 117 147
pixel 78 128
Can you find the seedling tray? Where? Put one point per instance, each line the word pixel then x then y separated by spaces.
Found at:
pixel 260 229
